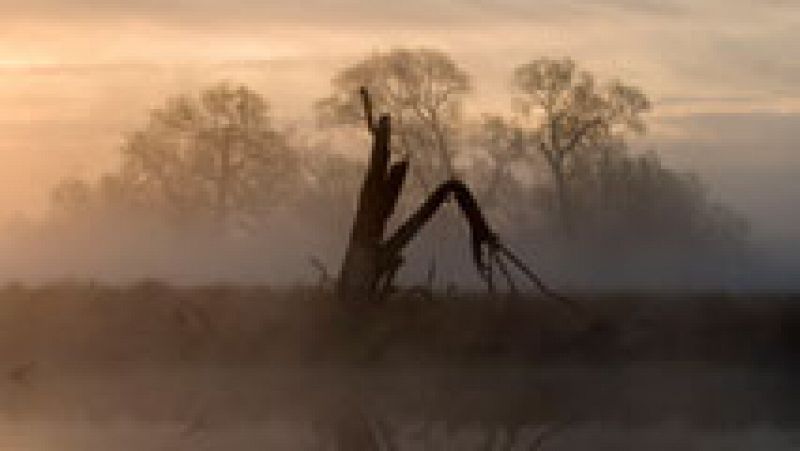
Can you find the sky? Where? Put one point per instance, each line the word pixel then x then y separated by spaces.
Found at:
pixel 724 75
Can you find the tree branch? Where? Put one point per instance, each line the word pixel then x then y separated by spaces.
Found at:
pixel 479 228
pixel 367 102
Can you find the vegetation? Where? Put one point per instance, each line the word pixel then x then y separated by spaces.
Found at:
pixel 422 91
pixel 212 156
pixel 151 322
pixel 573 120
pixel 205 360
pixel 557 178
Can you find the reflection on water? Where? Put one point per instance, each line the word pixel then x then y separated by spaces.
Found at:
pixel 124 435
pixel 651 406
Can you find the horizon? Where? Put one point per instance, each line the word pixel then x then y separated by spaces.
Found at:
pixel 76 77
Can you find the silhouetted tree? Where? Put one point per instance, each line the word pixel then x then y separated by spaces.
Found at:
pixel 422 90
pixel 569 114
pixel 372 259
pixel 216 154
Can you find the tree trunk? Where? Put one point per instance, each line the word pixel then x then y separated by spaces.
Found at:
pixel 371 261
pixel 563 201
pixel 365 263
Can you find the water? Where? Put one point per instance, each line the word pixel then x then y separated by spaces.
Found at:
pixel 654 406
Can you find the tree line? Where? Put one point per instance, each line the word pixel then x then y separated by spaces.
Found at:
pixel 558 166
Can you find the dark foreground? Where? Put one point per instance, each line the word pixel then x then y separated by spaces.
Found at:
pixel 151 367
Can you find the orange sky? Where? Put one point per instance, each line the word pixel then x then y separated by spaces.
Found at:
pixel 76 75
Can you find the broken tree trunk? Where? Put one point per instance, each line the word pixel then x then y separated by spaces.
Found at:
pixel 366 264
pixel 371 260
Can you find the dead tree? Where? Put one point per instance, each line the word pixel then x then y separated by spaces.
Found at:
pixel 372 259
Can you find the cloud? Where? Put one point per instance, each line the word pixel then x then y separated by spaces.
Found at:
pixel 329 12
pixel 241 12
pixel 691 56
pixel 369 12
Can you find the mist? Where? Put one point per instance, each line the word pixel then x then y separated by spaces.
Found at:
pixel 117 245
pixel 77 80
pixel 434 224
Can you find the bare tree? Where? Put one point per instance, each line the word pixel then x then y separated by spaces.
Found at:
pixel 569 115
pixel 214 154
pixel 422 90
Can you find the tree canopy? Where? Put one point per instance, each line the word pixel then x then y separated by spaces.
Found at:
pixel 570 115
pixel 559 174
pixel 422 90
pixel 216 153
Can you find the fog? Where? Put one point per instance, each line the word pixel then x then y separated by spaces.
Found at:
pixel 179 182
pixel 746 161
pixel 76 80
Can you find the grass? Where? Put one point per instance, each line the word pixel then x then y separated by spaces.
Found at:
pixel 216 359
pixel 155 322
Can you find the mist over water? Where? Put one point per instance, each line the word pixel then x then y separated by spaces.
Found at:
pixel 179 185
